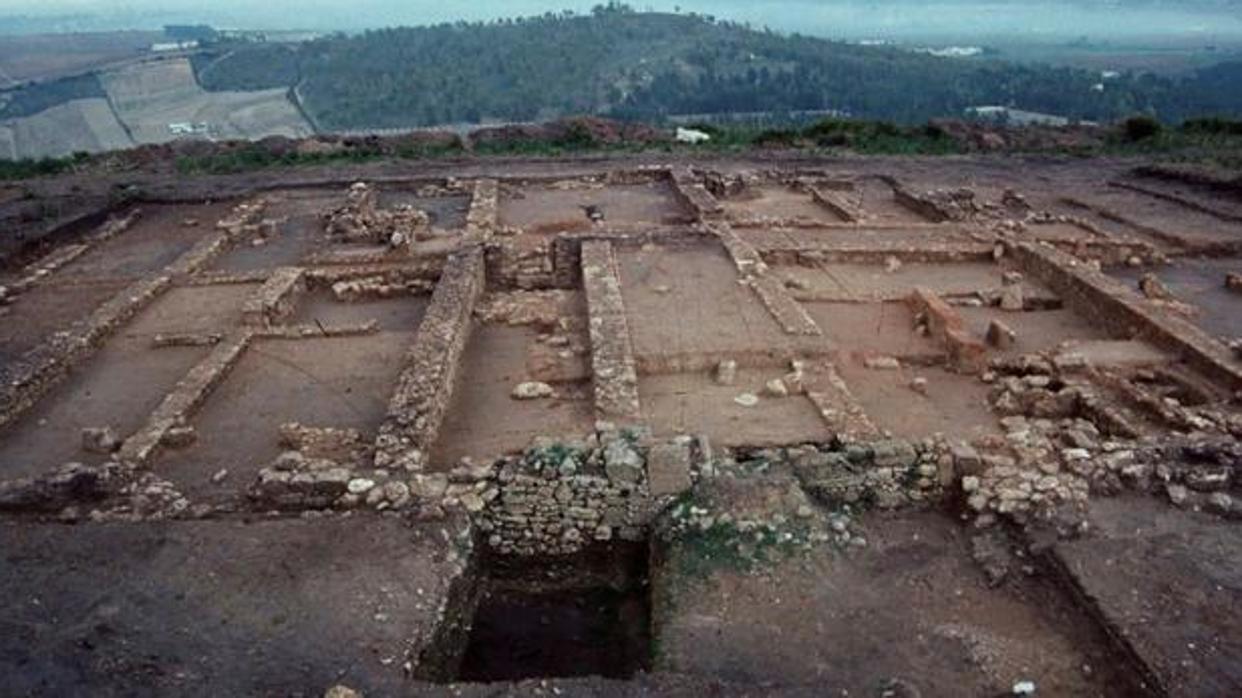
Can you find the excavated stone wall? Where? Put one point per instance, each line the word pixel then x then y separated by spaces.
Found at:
pixel 1111 305
pixel 425 388
pixel 612 351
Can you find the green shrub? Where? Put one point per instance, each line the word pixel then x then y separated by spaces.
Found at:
pixel 1213 126
pixel 1141 128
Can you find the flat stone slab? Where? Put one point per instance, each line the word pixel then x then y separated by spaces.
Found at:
pixel 1169 585
pixel 286 607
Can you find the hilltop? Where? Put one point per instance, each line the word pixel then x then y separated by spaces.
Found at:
pixel 639 65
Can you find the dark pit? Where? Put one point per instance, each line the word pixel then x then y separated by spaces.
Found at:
pixel 583 615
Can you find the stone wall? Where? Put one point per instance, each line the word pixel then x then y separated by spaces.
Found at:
pixel 787 312
pixel 694 195
pixel 276 299
pixel 426 385
pixel 612 351
pixel 559 499
pixel 25 382
pixel 186 397
pixel 481 219
pixel 1111 305
pixel 836 203
pixel 946 325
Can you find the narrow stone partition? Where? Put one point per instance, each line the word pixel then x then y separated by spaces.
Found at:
pixel 612 351
pixel 426 385
pixel 185 398
pixel 966 354
pixel 484 208
pixel 692 192
pixel 276 299
pixel 790 314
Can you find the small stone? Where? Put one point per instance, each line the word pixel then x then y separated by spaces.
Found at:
pixel 1153 288
pixel 970 484
pixel 747 400
pixel 472 502
pixel 532 390
pixel 179 437
pixel 1000 335
pixel 360 485
pixel 776 388
pixel 100 440
pixel 892 265
pixel 726 372
pixel 1134 261
pixel 1219 503
pixel 341 692
pixel 1012 298
pixel 621 462
pixel 919 385
pixel 220 476
pixel 1233 282
pixel 1024 688
pixel 883 363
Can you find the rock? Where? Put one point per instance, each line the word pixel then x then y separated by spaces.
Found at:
pixel 892 265
pixel 429 487
pixel 970 484
pixel 179 437
pixel 532 390
pixel 621 462
pixel 899 688
pixel 360 485
pixel 747 400
pixel 100 440
pixel 883 363
pixel 220 476
pixel 1219 503
pixel 1233 282
pixel 341 692
pixel 1000 335
pixel 726 372
pixel 1153 288
pixel 472 502
pixel 1208 478
pixel 776 388
pixel 919 385
pixel 1012 298
pixel 1024 688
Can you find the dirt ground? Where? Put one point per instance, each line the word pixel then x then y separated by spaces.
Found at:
pixel 910 607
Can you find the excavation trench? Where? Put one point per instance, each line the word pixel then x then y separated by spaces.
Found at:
pixel 586 614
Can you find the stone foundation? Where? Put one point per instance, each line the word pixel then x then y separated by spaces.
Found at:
pixel 1112 305
pixel 425 388
pixel 612 351
pixel 276 299
pixel 945 324
pixel 185 398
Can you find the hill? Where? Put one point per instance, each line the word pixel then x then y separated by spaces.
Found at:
pixel 648 65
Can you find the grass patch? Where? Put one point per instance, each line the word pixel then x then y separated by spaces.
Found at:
pixel 43 167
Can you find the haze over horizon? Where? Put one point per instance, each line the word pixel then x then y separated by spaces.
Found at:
pixel 850 19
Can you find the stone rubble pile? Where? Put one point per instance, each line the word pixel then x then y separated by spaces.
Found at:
pixel 361 220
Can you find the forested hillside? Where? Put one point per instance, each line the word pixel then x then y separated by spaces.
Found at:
pixel 648 65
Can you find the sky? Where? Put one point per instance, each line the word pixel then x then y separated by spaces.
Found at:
pixel 832 18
